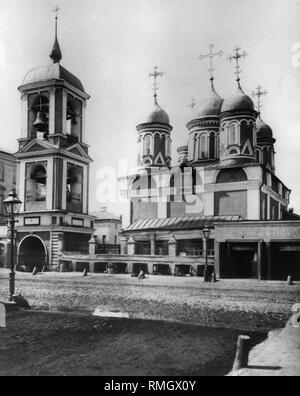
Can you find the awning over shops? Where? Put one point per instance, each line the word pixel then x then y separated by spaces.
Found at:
pixel 179 223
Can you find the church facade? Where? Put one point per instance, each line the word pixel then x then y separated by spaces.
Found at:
pixel 225 180
pixel 52 166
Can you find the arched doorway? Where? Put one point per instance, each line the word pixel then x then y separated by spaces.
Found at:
pixel 31 253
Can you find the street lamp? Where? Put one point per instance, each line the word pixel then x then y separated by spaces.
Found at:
pixel 206 235
pixel 12 206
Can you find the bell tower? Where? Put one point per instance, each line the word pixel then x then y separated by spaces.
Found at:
pixel 53 161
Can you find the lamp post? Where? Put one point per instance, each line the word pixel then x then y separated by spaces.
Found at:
pixel 206 234
pixel 12 206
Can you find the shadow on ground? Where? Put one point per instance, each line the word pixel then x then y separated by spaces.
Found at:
pixel 51 344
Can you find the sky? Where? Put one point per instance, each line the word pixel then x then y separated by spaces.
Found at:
pixel 113 45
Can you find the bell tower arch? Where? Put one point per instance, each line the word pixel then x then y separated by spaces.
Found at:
pixel 53 157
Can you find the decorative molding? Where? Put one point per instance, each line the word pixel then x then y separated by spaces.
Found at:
pixel 32 221
pixel 249 147
pixel 161 158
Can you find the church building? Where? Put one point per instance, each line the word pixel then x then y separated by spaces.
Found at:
pixel 224 180
pixel 52 165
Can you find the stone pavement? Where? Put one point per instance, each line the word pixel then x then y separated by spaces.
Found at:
pixel 278 356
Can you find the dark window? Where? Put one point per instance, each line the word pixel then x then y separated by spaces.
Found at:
pixel 143 248
pixel 2 172
pixel 74 188
pixel 74 117
pixel 190 247
pixel 275 184
pixel 1 204
pixel 212 145
pixel 161 248
pixel 231 176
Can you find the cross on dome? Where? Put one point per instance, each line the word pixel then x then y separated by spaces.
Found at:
pixel 56 54
pixel 192 104
pixel 236 57
pixel 211 55
pixel 259 92
pixel 155 76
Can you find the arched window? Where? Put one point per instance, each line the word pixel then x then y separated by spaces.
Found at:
pixel 258 155
pixel 217 142
pixel 38 116
pixel 233 151
pixel 231 176
pixel 272 159
pixel 196 148
pixel 265 156
pixel 36 186
pixel 147 145
pixel 168 147
pixel 203 148
pixel 74 188
pixel 159 147
pixel 2 172
pixel 74 117
pixel 212 146
pixel 191 148
pixel 233 134
pixel 251 132
pixel 140 150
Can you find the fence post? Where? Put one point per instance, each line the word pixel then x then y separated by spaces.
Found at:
pixel 172 246
pixel 242 353
pixel 92 246
pixel 123 241
pixel 131 246
pixel 60 244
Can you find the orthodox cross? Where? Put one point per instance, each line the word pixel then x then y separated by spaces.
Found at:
pixel 237 56
pixel 259 92
pixel 56 10
pixel 192 104
pixel 155 76
pixel 211 56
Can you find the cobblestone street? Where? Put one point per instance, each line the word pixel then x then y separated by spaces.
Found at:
pixel 243 305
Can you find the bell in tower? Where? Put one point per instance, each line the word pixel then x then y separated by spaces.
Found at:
pixel 40 124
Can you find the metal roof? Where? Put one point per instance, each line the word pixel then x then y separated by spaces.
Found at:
pixel 180 223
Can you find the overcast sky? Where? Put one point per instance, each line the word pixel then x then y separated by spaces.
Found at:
pixel 112 46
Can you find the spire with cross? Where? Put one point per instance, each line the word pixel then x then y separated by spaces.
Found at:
pixel 238 54
pixel 56 10
pixel 192 104
pixel 56 54
pixel 259 92
pixel 155 76
pixel 211 56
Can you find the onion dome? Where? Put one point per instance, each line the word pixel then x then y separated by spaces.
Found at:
pixel 237 102
pixel 157 115
pixel 56 54
pixel 264 131
pixel 212 105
